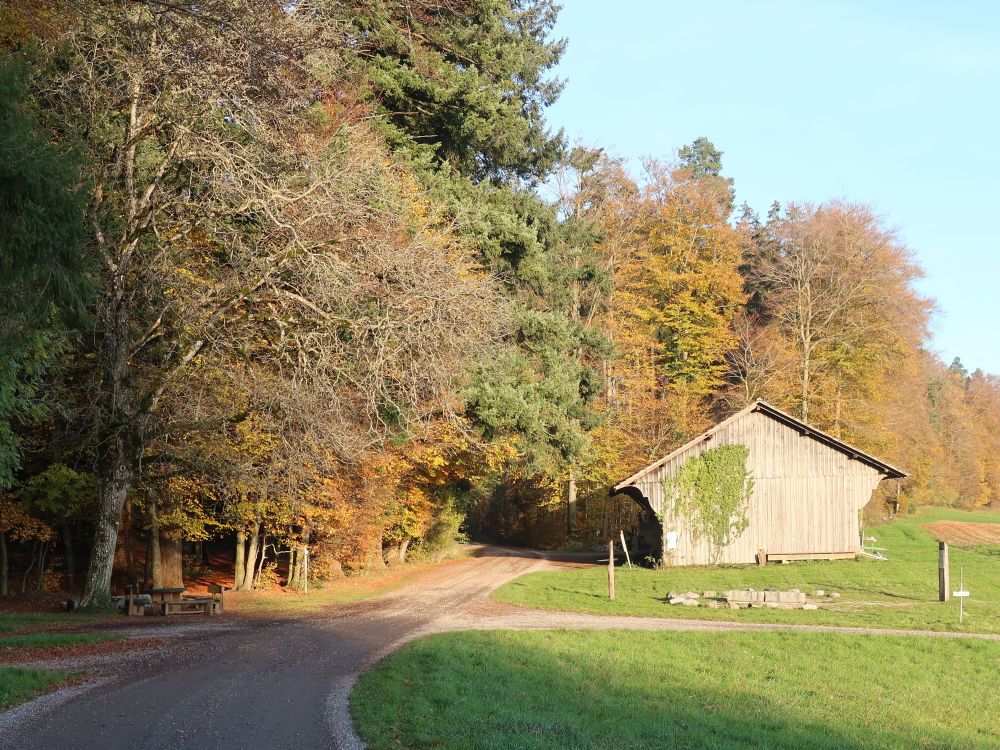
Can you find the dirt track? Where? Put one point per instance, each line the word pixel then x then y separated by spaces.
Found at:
pixel 243 683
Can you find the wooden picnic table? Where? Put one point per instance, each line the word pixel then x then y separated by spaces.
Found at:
pixel 173 601
pixel 166 594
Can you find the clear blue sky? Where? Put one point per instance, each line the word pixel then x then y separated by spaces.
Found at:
pixel 892 103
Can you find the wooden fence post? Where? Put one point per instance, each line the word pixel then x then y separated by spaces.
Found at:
pixel 943 582
pixel 628 558
pixel 611 569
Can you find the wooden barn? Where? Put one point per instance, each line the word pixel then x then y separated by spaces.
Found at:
pixel 808 489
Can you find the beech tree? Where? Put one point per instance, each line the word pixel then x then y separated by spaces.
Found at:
pixel 839 287
pixel 235 216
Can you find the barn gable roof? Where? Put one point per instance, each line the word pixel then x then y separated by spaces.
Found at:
pixel 891 472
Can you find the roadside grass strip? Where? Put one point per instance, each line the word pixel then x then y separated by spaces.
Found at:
pixel 17 685
pixel 630 689
pixel 53 640
pixel 29 621
pixel 899 593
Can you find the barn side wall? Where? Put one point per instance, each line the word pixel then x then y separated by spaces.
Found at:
pixel 806 494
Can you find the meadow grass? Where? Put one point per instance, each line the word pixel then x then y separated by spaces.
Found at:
pixel 18 684
pixel 899 593
pixel 50 640
pixel 18 621
pixel 627 689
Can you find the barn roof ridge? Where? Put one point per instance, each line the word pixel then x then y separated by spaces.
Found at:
pixel 777 414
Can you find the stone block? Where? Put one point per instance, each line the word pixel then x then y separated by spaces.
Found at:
pixel 748 596
pixel 785 597
pixel 810 606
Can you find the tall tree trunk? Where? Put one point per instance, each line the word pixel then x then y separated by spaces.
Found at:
pixel 806 374
pixel 403 547
pixel 41 565
pixel 129 543
pixel 250 567
pixel 293 573
pixel 571 504
pixel 172 559
pixel 836 418
pixel 67 535
pixel 255 581
pixel 156 561
pixel 121 422
pixel 241 557
pixel 31 566
pixel 115 480
pixel 145 561
pixel 4 582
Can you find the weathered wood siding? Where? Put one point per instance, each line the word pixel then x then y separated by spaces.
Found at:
pixel 806 494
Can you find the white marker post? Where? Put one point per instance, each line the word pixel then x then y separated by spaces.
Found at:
pixel 961 594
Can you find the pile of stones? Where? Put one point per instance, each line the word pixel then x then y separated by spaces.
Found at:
pixel 750 598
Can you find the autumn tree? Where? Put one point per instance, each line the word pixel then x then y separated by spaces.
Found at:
pixel 223 204
pixel 839 288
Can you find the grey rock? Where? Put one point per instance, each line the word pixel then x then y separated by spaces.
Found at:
pixel 810 606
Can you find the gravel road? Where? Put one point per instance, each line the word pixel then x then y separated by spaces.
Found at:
pixel 240 682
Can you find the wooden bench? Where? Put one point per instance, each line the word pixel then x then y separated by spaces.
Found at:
pixel 218 594
pixel 190 606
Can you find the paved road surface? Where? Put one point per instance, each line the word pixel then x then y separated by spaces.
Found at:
pixel 244 683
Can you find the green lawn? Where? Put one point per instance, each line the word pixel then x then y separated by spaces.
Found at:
pixel 17 684
pixel 31 621
pixel 621 690
pixel 49 640
pixel 900 593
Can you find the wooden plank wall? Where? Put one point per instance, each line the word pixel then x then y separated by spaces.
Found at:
pixel 806 494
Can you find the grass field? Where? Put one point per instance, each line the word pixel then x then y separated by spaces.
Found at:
pixel 52 640
pixel 31 636
pixel 30 621
pixel 18 684
pixel 621 690
pixel 900 593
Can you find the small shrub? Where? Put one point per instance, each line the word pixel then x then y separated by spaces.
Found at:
pixel 268 578
pixel 443 533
